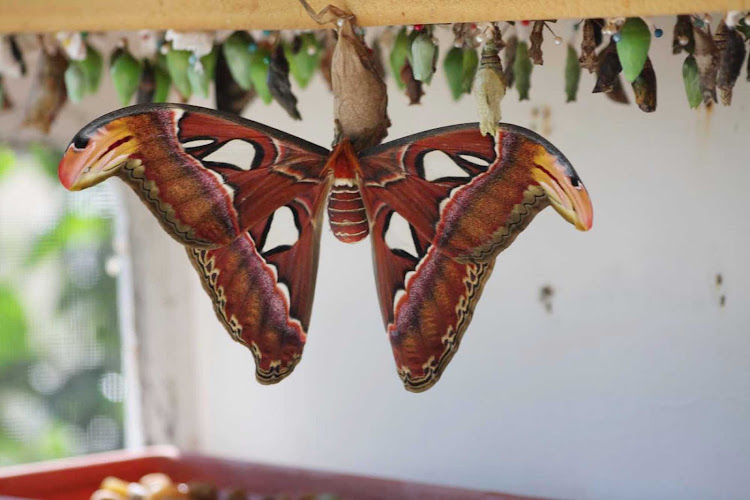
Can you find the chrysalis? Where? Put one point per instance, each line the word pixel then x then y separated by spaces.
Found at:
pixel 632 48
pixel 279 84
pixel 230 96
pixel 259 63
pixel 644 88
pixel 609 69
pixel 683 36
pixel 470 64
pixel 589 59
pixel 511 47
pixel 732 54
pixel 424 54
pixel 237 56
pixel 47 94
pixel 413 86
pixel 522 68
pixel 692 82
pixel 178 62
pixel 453 66
pixel 489 89
pixel 536 38
pixel 303 55
pixel 399 55
pixel 572 74
pixel 126 74
pixel 707 58
pixel 201 72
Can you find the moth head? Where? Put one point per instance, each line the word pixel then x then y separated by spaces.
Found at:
pixel 563 188
pixel 96 153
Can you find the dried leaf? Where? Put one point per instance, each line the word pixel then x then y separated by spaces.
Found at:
pixel 536 38
pixel 279 84
pixel 522 68
pixel 683 36
pixel 691 78
pixel 644 88
pixel 632 49
pixel 230 96
pixel 510 59
pixel 47 94
pixel 608 70
pixel 489 89
pixel 377 58
pixel 707 57
pixel 732 54
pixel 413 86
pixel 572 74
pixel 589 58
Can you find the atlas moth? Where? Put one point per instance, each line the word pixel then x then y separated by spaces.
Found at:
pixel 247 202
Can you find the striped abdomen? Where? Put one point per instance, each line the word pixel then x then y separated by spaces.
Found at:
pixel 346 213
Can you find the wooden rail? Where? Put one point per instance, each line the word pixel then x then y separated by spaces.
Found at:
pixel 104 15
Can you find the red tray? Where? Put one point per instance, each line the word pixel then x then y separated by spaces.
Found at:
pixel 76 478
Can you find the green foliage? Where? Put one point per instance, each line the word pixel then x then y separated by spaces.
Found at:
pixel 178 63
pixel 162 80
pixel 71 231
pixel 259 72
pixel 48 158
pixel 7 161
pixel 13 327
pixel 522 68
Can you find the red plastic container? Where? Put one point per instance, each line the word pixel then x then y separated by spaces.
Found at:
pixel 76 478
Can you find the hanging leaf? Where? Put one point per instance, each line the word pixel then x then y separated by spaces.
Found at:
pixel 423 57
pixel 572 74
pixel 259 72
pixel 489 89
pixel 279 85
pixel 147 85
pixel 617 94
pixel 632 49
pixel 178 63
pixel 536 38
pixel 47 94
pixel 453 66
pixel 707 57
pixel 511 48
pixel 522 69
pixel 589 58
pixel 644 88
pixel 609 69
pixel 329 45
pixel 399 55
pixel 470 64
pixel 75 81
pixel 731 56
pixel 126 74
pixel 92 67
pixel 683 36
pixel 303 54
pixel 236 50
pixel 230 96
pixel 201 73
pixel 691 78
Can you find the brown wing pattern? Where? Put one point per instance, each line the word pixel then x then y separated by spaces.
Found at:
pixel 460 217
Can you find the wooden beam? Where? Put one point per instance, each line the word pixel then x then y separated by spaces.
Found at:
pixel 105 15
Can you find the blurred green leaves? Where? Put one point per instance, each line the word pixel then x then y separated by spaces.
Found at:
pixel 13 327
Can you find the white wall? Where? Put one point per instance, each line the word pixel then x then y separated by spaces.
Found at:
pixel 636 386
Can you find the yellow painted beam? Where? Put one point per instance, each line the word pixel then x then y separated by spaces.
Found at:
pixel 104 15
